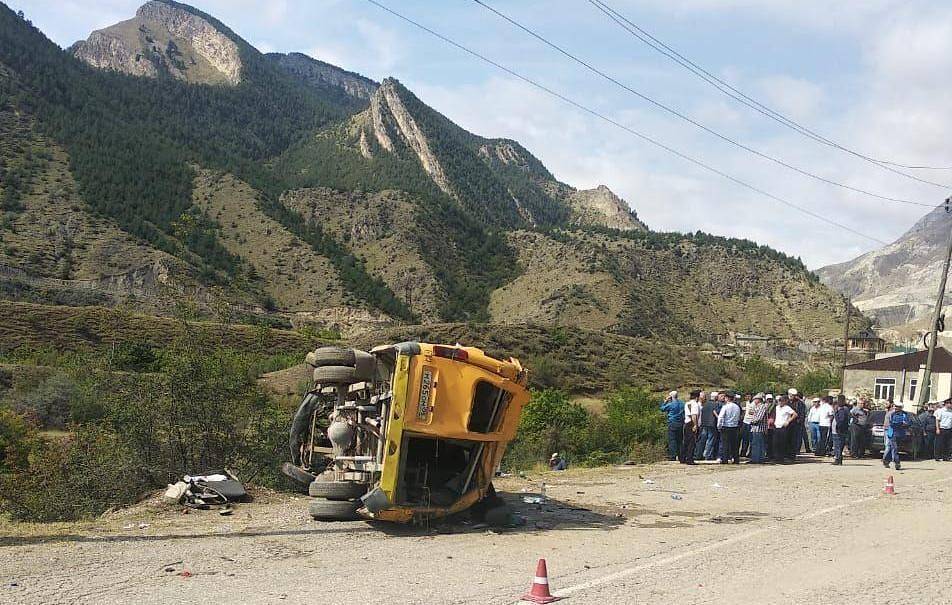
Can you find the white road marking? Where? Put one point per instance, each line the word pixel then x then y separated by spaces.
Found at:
pixel 720 543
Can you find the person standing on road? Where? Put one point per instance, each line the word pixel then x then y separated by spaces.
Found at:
pixel 859 427
pixel 813 424
pixel 744 449
pixel 784 417
pixel 756 418
pixel 943 431
pixel 796 432
pixel 895 431
pixel 673 409
pixel 692 424
pixel 927 422
pixel 826 419
pixel 707 438
pixel 728 422
pixel 838 430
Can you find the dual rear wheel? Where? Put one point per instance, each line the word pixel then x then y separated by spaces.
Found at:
pixel 335 500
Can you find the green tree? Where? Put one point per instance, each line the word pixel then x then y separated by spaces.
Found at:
pixel 817 382
pixel 758 375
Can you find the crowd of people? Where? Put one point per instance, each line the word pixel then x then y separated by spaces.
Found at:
pixel 726 426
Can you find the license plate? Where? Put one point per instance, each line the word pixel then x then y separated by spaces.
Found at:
pixel 426 387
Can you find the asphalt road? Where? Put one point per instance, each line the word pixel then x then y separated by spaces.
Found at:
pixel 808 532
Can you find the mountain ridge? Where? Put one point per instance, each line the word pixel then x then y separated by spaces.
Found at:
pixel 302 188
pixel 896 284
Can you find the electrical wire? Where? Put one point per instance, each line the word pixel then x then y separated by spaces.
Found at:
pixel 692 121
pixel 739 96
pixel 628 129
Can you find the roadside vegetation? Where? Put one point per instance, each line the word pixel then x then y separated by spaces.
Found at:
pixel 100 430
pixel 85 431
pixel 631 428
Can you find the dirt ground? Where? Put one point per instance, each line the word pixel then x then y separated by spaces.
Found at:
pixel 809 532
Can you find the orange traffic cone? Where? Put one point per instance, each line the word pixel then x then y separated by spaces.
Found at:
pixel 890 487
pixel 539 593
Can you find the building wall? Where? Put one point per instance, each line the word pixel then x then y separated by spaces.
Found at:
pixel 856 381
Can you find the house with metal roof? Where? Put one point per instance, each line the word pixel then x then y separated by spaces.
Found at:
pixel 898 377
pixel 867 340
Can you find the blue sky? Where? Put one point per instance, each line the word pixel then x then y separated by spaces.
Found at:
pixel 869 73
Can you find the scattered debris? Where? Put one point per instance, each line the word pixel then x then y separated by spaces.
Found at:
pixel 185 573
pixel 648 482
pixel 676 496
pixel 717 485
pixel 219 488
pixel 175 492
pixel 143 525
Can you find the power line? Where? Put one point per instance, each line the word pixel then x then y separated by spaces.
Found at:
pixel 628 129
pixel 750 102
pixel 691 120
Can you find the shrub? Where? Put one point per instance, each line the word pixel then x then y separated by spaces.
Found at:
pixel 16 436
pixel 552 409
pixel 630 428
pixel 816 382
pixel 759 375
pixel 546 372
pixel 48 402
pixel 77 477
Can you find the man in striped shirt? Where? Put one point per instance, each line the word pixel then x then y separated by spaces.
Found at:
pixel 756 417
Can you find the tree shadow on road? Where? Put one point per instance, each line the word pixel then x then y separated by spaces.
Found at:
pixel 323 528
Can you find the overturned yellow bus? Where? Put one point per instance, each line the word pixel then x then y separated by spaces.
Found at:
pixel 405 432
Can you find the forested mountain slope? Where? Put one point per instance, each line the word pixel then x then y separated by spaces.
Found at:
pixel 282 185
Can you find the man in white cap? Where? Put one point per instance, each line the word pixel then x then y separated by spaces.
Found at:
pixel 556 462
pixel 813 424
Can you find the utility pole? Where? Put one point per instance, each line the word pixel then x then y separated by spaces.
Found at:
pixel 846 344
pixel 925 387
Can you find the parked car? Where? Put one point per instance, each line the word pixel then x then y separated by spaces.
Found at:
pixel 912 444
pixel 416 430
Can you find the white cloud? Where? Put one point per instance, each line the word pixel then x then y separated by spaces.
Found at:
pixel 798 98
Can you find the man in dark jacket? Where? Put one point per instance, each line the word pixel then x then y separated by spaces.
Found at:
pixel 798 429
pixel 927 420
pixel 839 428
pixel 707 438
pixel 859 428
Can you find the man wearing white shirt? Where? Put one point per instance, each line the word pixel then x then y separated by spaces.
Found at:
pixel 728 422
pixel 784 417
pixel 826 419
pixel 943 430
pixel 692 424
pixel 813 424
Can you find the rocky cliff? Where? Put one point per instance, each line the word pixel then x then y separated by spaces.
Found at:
pixel 165 38
pixel 324 75
pixel 896 284
pixel 495 176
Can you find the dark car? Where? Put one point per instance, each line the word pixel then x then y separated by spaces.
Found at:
pixel 912 444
